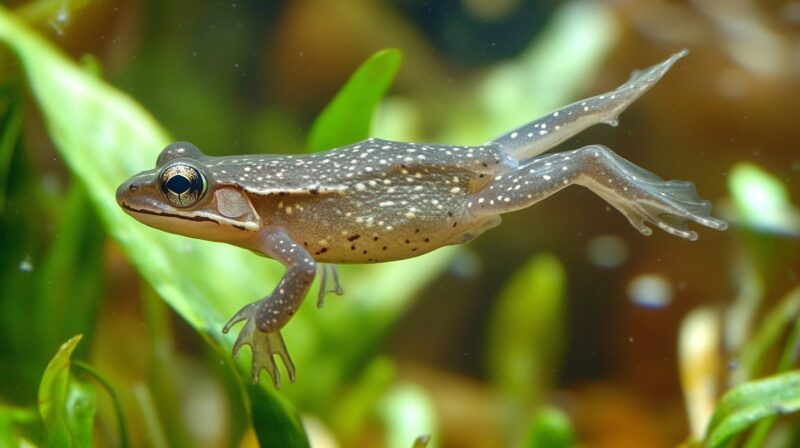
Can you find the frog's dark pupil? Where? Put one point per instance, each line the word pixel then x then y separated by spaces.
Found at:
pixel 178 184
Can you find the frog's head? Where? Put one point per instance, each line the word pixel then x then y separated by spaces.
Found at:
pixel 181 196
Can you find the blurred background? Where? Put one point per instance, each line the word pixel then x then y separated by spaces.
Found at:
pixel 563 326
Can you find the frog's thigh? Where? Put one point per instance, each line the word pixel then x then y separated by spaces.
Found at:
pixel 528 184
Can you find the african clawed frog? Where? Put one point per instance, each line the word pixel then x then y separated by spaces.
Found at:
pixel 378 200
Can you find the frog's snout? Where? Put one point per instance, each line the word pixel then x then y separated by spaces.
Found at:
pixel 127 188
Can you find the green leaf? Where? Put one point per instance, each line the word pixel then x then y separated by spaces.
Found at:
pixel 348 118
pixel 526 329
pixel 762 200
pixel 751 402
pixel 770 332
pixel 66 405
pixel 79 285
pixel 408 413
pixel 10 129
pixel 550 428
pixel 81 406
pixel 18 424
pixel 271 431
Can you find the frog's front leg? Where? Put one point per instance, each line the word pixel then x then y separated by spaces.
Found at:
pixel 637 193
pixel 545 132
pixel 265 318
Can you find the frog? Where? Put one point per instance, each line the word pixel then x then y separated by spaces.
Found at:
pixel 377 201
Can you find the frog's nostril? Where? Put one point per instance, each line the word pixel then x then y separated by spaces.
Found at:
pixel 133 188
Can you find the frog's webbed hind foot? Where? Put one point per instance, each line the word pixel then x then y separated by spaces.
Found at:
pixel 328 274
pixel 264 345
pixel 670 205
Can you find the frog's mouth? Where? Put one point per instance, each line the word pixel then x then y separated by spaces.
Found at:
pixel 195 225
pixel 174 215
pixel 176 223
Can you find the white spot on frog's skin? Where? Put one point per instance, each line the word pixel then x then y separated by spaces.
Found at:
pixel 455 190
pixel 360 187
pixel 288 210
pixel 410 215
pixel 386 204
pixel 546 177
pixel 586 108
pixel 514 135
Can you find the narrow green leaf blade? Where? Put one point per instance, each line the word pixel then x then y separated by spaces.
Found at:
pixel 67 406
pixel 81 406
pixel 550 428
pixel 53 387
pixel 347 119
pixel 751 402
pixel 271 431
pixel 526 329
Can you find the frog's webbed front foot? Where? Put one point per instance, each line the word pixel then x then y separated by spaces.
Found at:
pixel 265 318
pixel 328 274
pixel 263 345
pixel 637 193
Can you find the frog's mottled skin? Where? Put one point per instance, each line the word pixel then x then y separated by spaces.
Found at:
pixel 378 200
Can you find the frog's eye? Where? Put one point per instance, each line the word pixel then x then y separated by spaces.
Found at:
pixel 182 185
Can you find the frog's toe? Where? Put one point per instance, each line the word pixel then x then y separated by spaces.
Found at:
pixel 329 275
pixel 245 313
pixel 264 346
pixel 671 206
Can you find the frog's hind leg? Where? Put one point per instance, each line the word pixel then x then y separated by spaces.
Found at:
pixel 637 193
pixel 329 273
pixel 545 132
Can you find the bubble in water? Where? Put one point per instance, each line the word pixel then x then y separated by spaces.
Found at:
pixel 650 291
pixel 26 265
pixel 607 251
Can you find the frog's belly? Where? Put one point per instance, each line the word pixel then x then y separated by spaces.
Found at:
pixel 375 233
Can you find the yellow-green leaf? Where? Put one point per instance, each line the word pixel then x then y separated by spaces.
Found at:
pixel 751 402
pixel 67 406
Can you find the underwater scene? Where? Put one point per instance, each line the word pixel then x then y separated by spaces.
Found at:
pixel 399 223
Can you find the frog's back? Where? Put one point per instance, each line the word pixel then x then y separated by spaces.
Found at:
pixel 374 200
pixel 376 155
pixel 333 170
